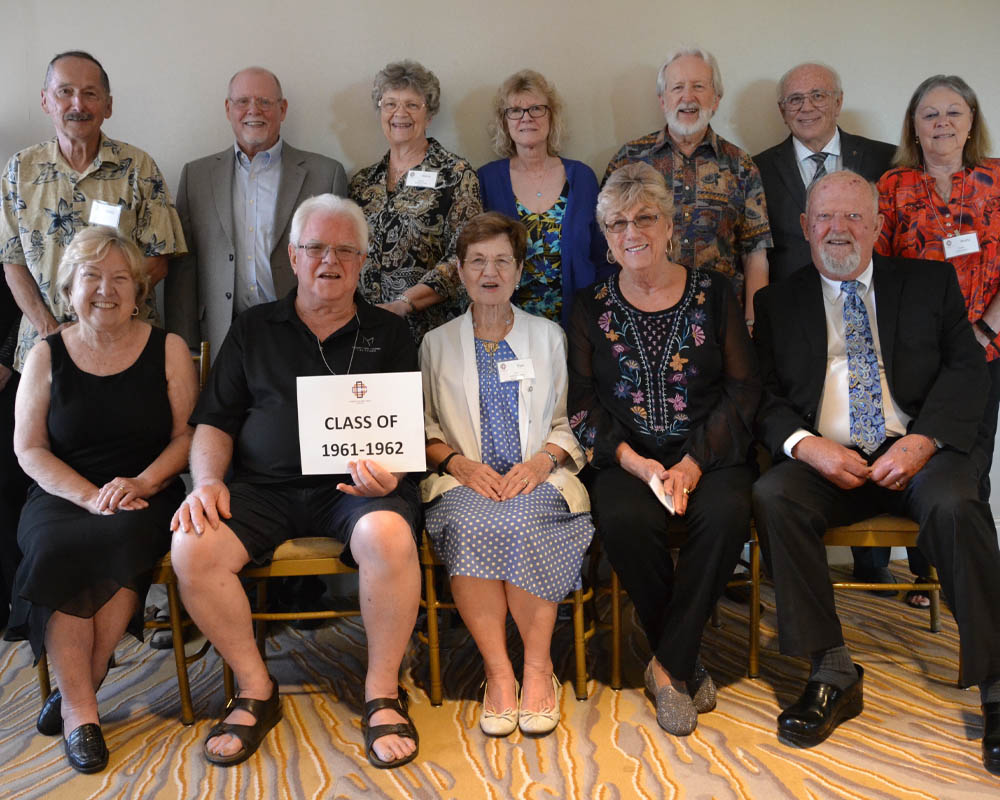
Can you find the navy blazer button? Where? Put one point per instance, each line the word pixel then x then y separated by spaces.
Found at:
pixel 229 295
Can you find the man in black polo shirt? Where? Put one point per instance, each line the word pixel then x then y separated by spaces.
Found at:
pixel 247 415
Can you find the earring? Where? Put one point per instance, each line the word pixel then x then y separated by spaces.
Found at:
pixel 610 256
pixel 670 249
pixel 135 311
pixel 916 140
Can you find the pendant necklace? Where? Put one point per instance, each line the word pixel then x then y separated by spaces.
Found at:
pixel 354 347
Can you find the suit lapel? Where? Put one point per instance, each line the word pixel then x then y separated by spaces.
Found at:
pixel 887 290
pixel 788 171
pixel 851 153
pixel 293 175
pixel 222 190
pixel 812 318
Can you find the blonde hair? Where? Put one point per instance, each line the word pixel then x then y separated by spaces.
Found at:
pixel 91 246
pixel 527 80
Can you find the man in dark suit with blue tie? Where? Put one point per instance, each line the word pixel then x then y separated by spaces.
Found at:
pixel 874 386
pixel 810 98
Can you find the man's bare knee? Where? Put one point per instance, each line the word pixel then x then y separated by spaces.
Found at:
pixel 383 536
pixel 192 554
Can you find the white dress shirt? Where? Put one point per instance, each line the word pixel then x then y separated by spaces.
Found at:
pixel 833 419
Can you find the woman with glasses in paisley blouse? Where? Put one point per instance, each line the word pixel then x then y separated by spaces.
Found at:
pixel 663 386
pixel 553 197
pixel 416 200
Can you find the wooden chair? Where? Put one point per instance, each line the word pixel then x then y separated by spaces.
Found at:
pixel 163 573
pixel 431 603
pixel 675 538
pixel 886 531
pixel 318 555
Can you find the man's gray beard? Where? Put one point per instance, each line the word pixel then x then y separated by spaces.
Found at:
pixel 679 128
pixel 840 266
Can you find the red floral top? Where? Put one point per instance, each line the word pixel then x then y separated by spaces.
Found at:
pixel 917 220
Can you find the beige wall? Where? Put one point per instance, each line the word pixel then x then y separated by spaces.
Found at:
pixel 169 63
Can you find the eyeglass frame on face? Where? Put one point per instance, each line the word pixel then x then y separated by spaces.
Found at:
pixel 392 106
pixel 343 253
pixel 516 113
pixel 819 98
pixel 265 104
pixel 479 263
pixel 619 226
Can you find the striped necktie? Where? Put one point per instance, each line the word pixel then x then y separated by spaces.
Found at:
pixel 819 159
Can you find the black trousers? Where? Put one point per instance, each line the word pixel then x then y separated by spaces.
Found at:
pixel 793 506
pixel 673 604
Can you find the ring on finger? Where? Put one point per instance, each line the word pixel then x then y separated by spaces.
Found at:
pixel 686 490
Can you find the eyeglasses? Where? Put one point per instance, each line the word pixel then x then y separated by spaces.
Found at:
pixel 818 97
pixel 392 106
pixel 534 112
pixel 263 103
pixel 478 264
pixel 641 222
pixel 342 252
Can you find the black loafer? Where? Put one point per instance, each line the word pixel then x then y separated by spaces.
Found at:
pixel 991 737
pixel 49 721
pixel 878 575
pixel 821 708
pixel 85 749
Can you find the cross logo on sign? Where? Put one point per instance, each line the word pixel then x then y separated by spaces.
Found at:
pixel 359 389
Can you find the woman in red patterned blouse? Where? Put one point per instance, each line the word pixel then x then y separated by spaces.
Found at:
pixel 941 202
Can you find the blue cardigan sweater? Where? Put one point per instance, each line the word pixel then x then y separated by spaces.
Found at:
pixel 583 246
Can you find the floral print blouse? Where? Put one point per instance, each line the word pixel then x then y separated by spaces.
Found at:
pixel 917 220
pixel 681 381
pixel 540 291
pixel 413 232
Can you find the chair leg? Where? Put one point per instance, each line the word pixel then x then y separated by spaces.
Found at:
pixel 260 627
pixel 580 646
pixel 935 596
pixel 433 634
pixel 753 656
pixel 616 632
pixel 180 661
pixel 43 677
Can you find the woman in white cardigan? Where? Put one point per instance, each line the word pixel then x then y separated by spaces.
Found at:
pixel 505 511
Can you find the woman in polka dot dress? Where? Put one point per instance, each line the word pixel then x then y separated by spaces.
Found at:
pixel 505 511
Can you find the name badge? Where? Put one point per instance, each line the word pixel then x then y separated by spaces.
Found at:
pixel 961 245
pixel 423 178
pixel 375 416
pixel 102 213
pixel 518 370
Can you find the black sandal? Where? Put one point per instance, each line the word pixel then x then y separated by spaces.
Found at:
pixel 373 732
pixel 267 713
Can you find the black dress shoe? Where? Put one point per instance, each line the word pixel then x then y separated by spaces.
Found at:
pixel 821 708
pixel 991 737
pixel 85 749
pixel 49 721
pixel 878 575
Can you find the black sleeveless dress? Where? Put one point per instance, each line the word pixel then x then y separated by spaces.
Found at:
pixel 103 426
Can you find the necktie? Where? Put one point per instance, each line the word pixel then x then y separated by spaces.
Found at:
pixel 864 390
pixel 819 159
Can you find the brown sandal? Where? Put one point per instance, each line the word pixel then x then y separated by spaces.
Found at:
pixel 267 713
pixel 373 732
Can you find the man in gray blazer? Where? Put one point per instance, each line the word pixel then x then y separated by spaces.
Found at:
pixel 236 208
pixel 810 98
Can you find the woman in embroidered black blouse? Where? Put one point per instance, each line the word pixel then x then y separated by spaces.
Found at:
pixel 663 388
pixel 416 200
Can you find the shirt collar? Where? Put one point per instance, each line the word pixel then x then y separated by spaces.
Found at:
pixel 107 152
pixel 710 139
pixel 283 310
pixel 831 148
pixel 832 290
pixel 268 158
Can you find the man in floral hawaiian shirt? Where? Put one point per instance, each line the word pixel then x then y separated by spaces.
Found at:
pixel 81 177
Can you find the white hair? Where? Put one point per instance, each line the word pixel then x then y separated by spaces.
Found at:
pixel 334 206
pixel 833 74
pixel 701 53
